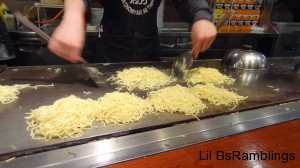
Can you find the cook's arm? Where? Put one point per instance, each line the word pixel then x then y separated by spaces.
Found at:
pixel 199 13
pixel 68 39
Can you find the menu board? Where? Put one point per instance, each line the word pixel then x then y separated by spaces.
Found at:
pixel 246 14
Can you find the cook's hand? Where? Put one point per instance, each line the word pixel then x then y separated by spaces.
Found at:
pixel 68 39
pixel 203 35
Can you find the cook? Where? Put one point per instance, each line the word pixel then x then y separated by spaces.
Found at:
pixel 128 30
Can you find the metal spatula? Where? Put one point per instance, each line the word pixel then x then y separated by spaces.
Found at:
pixel 92 72
pixel 2 67
pixel 184 62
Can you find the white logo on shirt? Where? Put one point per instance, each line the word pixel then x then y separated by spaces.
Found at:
pixel 145 6
pixel 138 2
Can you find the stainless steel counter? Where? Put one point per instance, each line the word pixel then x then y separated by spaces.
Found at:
pixel 32 50
pixel 169 31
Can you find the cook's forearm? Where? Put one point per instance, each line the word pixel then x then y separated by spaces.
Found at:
pixel 74 9
pixel 193 10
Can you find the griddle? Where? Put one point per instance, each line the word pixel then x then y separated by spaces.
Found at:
pixel 277 85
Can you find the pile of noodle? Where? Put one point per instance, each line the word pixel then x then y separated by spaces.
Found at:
pixel 145 78
pixel 67 117
pixel 176 99
pixel 207 75
pixel 121 108
pixel 217 96
pixel 9 94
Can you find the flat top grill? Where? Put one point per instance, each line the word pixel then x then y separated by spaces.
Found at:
pixel 277 85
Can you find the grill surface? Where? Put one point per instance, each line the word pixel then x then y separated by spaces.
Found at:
pixel 264 88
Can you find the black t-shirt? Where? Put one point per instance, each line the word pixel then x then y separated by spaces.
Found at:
pixel 139 16
pixel 123 17
pixel 129 28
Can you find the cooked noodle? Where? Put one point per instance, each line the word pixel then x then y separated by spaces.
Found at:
pixel 176 99
pixel 207 75
pixel 142 78
pixel 217 96
pixel 121 108
pixel 67 117
pixel 71 116
pixel 9 94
